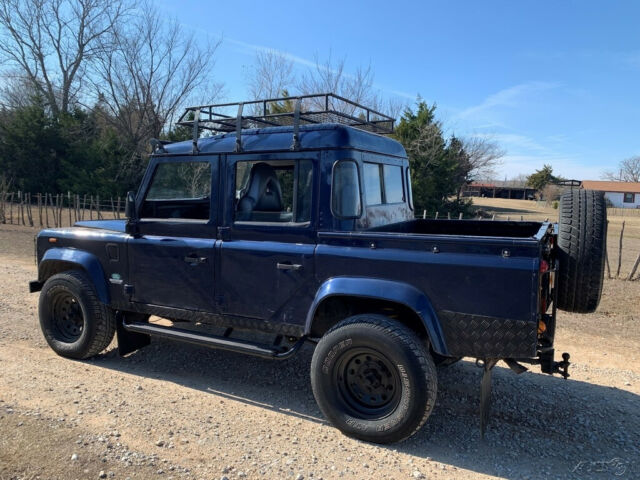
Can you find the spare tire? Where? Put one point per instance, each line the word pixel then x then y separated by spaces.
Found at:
pixel 581 250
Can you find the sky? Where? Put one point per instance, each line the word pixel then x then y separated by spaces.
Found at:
pixel 553 82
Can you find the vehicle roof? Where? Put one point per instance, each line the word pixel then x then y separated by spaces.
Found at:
pixel 311 137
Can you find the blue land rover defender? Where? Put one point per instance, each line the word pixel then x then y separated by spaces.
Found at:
pixel 299 225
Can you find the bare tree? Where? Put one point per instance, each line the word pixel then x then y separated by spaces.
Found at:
pixel 427 144
pixel 271 75
pixel 51 41
pixel 628 171
pixel 484 156
pixel 196 177
pixel 155 69
pixel 330 77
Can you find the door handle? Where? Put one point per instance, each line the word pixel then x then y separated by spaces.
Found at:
pixel 193 259
pixel 288 266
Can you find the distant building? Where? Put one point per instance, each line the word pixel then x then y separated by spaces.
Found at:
pixel 620 194
pixel 498 190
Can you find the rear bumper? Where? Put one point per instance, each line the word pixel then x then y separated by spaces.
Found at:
pixel 35 286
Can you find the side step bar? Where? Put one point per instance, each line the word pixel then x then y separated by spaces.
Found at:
pixel 213 341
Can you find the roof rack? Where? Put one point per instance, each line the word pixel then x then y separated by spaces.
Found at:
pixel 283 111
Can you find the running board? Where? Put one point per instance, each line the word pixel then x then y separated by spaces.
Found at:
pixel 213 341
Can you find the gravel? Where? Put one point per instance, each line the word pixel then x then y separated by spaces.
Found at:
pixel 184 412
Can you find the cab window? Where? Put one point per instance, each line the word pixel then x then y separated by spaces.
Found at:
pixel 179 190
pixel 345 190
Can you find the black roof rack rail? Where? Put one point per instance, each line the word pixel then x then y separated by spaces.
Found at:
pixel 284 111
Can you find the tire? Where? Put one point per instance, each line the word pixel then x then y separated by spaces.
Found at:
pixel 581 250
pixel 74 322
pixel 374 379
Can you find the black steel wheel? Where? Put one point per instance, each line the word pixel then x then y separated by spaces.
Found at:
pixel 68 320
pixel 74 322
pixel 374 379
pixel 369 383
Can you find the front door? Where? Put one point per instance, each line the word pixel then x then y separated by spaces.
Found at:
pixel 172 260
pixel 267 252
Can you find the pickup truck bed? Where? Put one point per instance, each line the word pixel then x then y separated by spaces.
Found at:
pixel 473 228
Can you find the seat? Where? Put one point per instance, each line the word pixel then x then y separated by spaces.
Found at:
pixel 262 199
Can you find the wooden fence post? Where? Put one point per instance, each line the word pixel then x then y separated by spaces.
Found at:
pixel 69 206
pixel 29 211
pixel 60 207
pixel 46 210
pixel 21 216
pixel 40 208
pixel 118 208
pixel 635 267
pixel 11 208
pixel 620 250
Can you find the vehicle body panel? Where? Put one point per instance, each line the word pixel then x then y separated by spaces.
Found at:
pixel 475 285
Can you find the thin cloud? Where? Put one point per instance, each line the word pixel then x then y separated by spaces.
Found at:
pixel 513 141
pixel 508 97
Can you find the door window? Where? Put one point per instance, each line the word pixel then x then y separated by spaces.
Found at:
pixel 274 191
pixel 179 190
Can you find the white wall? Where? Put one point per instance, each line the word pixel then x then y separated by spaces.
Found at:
pixel 617 199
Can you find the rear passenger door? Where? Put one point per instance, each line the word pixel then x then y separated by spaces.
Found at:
pixel 268 242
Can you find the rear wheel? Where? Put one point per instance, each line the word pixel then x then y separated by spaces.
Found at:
pixel 374 379
pixel 74 322
pixel 582 249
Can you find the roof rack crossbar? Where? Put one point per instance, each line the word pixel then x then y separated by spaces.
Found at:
pixel 284 111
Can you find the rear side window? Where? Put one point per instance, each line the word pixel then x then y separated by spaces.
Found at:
pixel 345 190
pixel 372 184
pixel 393 184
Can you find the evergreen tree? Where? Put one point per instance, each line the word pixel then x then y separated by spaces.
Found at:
pixel 438 169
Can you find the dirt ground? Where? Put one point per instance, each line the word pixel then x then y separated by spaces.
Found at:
pixel 183 412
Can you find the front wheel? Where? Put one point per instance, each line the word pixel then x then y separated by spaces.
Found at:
pixel 374 379
pixel 74 322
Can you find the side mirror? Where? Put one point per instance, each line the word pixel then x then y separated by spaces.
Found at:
pixel 131 227
pixel 130 206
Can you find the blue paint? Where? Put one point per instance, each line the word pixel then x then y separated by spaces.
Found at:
pixel 374 288
pixel 81 260
pixel 279 274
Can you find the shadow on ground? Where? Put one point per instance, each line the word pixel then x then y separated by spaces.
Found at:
pixel 541 426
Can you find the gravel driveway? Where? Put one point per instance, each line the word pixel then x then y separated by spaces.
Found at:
pixel 180 411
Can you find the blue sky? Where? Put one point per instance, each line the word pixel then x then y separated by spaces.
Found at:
pixel 554 82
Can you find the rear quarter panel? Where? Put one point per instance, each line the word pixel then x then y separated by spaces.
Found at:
pixel 484 298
